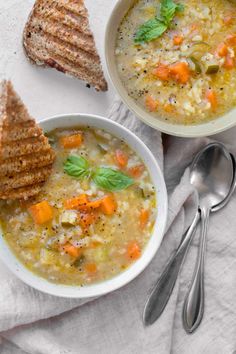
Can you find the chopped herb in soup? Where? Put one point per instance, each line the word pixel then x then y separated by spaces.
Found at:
pixel 93 217
pixel 177 58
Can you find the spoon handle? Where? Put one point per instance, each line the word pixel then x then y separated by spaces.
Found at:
pixel 161 293
pixel 194 303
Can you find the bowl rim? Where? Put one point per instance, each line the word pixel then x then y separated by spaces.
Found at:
pixel 208 128
pixel 70 291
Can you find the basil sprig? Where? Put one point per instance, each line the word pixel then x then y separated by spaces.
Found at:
pixel 168 10
pixel 111 180
pixel 155 27
pixel 150 30
pixel 77 166
pixel 104 177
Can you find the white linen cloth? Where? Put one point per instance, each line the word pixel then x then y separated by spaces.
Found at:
pixel 35 323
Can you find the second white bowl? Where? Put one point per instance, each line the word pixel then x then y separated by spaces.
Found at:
pixel 218 125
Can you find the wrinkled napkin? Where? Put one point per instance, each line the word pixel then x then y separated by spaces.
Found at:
pixel 35 323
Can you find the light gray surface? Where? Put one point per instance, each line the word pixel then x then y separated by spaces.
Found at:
pixel 112 324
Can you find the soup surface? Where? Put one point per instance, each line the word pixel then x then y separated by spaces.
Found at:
pixel 94 215
pixel 182 67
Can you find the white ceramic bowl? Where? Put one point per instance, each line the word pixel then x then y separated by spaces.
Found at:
pixel 137 145
pixel 209 128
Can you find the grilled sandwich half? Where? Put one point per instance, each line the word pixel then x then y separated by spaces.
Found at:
pixel 58 35
pixel 26 156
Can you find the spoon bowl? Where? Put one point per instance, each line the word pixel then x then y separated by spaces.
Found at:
pixel 232 188
pixel 212 175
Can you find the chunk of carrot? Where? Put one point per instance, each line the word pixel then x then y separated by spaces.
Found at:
pixel 143 218
pixel 82 203
pixel 121 158
pixel 151 104
pixel 133 250
pixel 86 219
pixel 178 39
pixel 136 171
pixel 71 141
pixel 222 50
pixel 94 204
pixel 212 98
pixel 180 72
pixel 77 202
pixel 90 268
pixel 231 39
pixel 161 72
pixel 108 205
pixel 229 62
pixel 72 250
pixel 41 212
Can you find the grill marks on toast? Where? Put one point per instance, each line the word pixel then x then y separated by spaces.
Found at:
pixel 59 13
pixel 74 6
pixel 26 156
pixel 65 34
pixel 23 179
pixel 77 57
pixel 58 35
pixel 25 163
pixel 24 133
pixel 24 147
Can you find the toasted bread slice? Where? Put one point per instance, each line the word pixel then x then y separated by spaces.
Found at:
pixel 58 35
pixel 26 156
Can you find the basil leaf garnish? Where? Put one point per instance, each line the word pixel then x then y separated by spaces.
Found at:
pixel 111 180
pixel 77 166
pixel 103 177
pixel 150 30
pixel 169 9
pixel 155 27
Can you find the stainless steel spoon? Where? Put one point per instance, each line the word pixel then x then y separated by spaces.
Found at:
pixel 212 175
pixel 162 291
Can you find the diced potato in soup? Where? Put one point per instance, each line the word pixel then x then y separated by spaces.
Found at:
pixel 179 65
pixel 93 217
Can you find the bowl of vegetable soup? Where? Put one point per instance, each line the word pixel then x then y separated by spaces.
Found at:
pixel 98 220
pixel 173 63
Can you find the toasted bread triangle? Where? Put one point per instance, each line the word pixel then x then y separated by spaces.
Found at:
pixel 26 156
pixel 58 35
pixel 12 109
